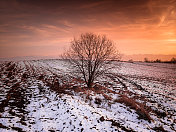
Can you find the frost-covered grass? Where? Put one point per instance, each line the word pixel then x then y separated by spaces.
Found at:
pixel 41 95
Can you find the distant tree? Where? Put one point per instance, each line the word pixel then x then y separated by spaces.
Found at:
pixel 131 60
pixel 146 60
pixel 173 60
pixel 157 61
pixel 91 56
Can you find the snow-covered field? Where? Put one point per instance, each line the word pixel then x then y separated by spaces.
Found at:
pixel 41 95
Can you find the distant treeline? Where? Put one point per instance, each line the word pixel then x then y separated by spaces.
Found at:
pixel 173 60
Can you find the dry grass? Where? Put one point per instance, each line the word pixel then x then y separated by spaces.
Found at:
pixel 138 107
pixel 106 96
pixel 75 85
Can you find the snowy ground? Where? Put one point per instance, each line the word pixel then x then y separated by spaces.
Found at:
pixel 41 96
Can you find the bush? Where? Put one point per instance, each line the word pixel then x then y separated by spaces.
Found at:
pixel 98 101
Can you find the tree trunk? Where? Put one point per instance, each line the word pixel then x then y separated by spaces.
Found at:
pixel 89 83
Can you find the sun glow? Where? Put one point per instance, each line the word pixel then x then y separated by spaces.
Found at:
pixel 171 40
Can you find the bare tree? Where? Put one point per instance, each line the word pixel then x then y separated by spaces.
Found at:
pixel 91 56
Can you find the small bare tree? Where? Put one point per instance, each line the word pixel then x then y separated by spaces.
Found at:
pixel 91 56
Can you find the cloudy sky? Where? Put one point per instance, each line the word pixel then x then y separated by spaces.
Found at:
pixel 45 27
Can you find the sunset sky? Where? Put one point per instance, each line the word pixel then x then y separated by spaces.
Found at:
pixel 45 27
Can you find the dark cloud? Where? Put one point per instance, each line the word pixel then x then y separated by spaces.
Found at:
pixel 37 12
